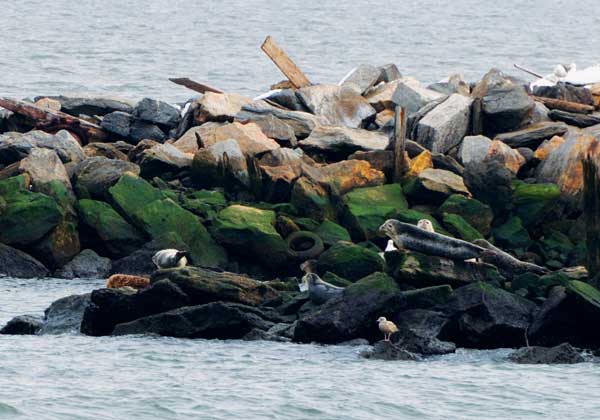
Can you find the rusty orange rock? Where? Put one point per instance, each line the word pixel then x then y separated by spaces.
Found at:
pixel 548 147
pixel 420 163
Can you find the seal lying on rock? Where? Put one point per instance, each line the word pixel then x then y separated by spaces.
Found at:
pixel 118 281
pixel 319 291
pixel 170 258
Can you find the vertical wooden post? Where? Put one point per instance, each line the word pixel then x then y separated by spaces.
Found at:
pixel 476 123
pixel 400 166
pixel 591 211
pixel 285 63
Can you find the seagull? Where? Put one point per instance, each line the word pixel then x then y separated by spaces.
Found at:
pixel 386 327
pixel 170 258
pixel 389 247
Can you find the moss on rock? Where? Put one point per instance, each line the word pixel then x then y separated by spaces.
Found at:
pixel 477 214
pixel 350 261
pixel 331 232
pixel 533 201
pixel 512 235
pixel 374 282
pixel 460 228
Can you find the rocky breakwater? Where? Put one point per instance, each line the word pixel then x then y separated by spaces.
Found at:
pixel 252 188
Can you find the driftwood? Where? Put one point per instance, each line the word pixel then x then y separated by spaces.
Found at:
pixel 526 70
pixel 591 211
pixel 195 86
pixel 285 64
pixel 52 121
pixel 411 237
pixel 565 105
pixel 400 165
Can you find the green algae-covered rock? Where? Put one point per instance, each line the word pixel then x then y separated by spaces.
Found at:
pixel 312 200
pixel 27 216
pixel 587 293
pixel 331 232
pixel 60 246
pixel 306 223
pixel 428 297
pixel 512 235
pixel 164 215
pixel 336 280
pixel 460 228
pixel 117 236
pixel 375 282
pixel 555 245
pixel 533 201
pixel 368 208
pixel 251 232
pixel 131 193
pixel 350 261
pixel 204 203
pixel 476 213
pixel 421 270
pixel 538 286
pixel 413 217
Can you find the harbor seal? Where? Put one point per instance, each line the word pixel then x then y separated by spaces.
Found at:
pixel 386 327
pixel 426 225
pixel 170 258
pixel 319 291
pixel 119 281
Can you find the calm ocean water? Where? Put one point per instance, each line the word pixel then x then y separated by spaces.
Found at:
pixel 130 48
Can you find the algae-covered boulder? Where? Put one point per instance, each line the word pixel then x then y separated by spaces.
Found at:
pixel 331 232
pixel 555 245
pixel 28 216
pixel 483 316
pixel 148 210
pixel 116 235
pixel 251 232
pixel 312 199
pixel 538 286
pixel 512 235
pixel 460 228
pixel 204 203
pixel 60 245
pixel 473 211
pixel 350 261
pixel 368 208
pixel 533 201
pixel 421 270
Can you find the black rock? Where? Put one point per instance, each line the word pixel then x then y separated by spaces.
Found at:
pixel 110 307
pixel 65 315
pixel 418 330
pixel 142 130
pixel 483 316
pixel 565 92
pixel 385 350
pixel 441 161
pixel 15 263
pixel 288 99
pixel 562 354
pixel 578 120
pixel 118 123
pixel 532 136
pixel 22 325
pixel 157 112
pixel 490 182
pixel 94 176
pixel 91 106
pixel 217 320
pixel 389 73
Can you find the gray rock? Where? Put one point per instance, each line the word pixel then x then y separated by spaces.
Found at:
pixel 435 185
pixel 532 136
pixel 22 325
pixel 16 146
pixel 578 120
pixel 161 159
pixel 92 106
pixel 107 150
pixel 412 96
pixel 566 92
pixel 157 112
pixel 142 130
pixel 286 98
pixel 118 123
pixel 455 84
pixel 418 331
pixel 301 122
pixel 94 176
pixel 337 105
pixel 490 182
pixel 363 77
pixel 562 354
pixel 540 113
pixel 86 265
pixel 384 350
pixel 65 315
pixel 380 96
pixel 445 126
pixel 273 128
pixel 448 163
pixel 389 73
pixel 344 141
pixel 474 149
pixel 219 107
pixel 44 167
pixel 207 164
pixel 15 263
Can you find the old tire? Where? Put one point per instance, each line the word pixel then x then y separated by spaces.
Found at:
pixel 304 245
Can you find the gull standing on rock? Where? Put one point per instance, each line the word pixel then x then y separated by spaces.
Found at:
pixel 170 258
pixel 386 327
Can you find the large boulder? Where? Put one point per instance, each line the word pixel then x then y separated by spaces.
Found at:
pixel 107 229
pixel 435 186
pixel 301 122
pixel 505 105
pixel 570 314
pixel 45 170
pixel 474 149
pixel 559 355
pixel 533 202
pixel 155 215
pixel 222 164
pixel 162 159
pixel 477 214
pixel 383 350
pixel 15 146
pixel 380 96
pixel 16 263
pixel 350 261
pixel 86 265
pixel 460 228
pixel 421 270
pixel 411 96
pixel 109 307
pixel 340 142
pixel 251 231
pixel 418 331
pixel 22 325
pixel 107 150
pixel 445 126
pixel 312 199
pixel 217 320
pixel 219 107
pixel 92 106
pixel 362 77
pixel 347 175
pixel 117 122
pixel 368 208
pixel 144 130
pixel 205 286
pixel 249 136
pixel 512 235
pixel 65 315
pixel 575 119
pixel 490 182
pixel 337 105
pixel 483 316
pixel 274 128
pixel 532 136
pixel 157 112
pixel 94 176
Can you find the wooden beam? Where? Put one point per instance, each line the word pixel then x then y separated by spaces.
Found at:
pixel 49 120
pixel 195 86
pixel 400 164
pixel 476 120
pixel 565 105
pixel 285 64
pixel 591 212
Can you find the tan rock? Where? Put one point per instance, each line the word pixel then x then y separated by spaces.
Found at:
pixel 47 103
pixel 511 158
pixel 380 96
pixel 107 150
pixel 348 175
pixel 548 147
pixel 420 163
pixel 219 106
pixel 384 117
pixel 343 140
pixel 43 167
pixel 249 136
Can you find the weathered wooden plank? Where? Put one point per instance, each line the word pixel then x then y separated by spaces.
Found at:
pixel 565 105
pixel 285 63
pixel 400 164
pixel 195 86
